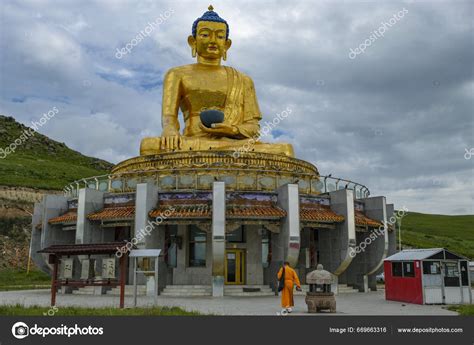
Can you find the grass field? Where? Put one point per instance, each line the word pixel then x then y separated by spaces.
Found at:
pixel 18 310
pixel 11 279
pixel 463 310
pixel 40 162
pixel 455 233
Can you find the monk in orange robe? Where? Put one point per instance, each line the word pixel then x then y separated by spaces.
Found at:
pixel 291 279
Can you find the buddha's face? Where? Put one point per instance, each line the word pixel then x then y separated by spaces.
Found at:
pixel 210 41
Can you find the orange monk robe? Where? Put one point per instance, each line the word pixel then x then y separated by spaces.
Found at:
pixel 291 279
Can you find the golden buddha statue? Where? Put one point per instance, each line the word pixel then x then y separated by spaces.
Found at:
pixel 209 85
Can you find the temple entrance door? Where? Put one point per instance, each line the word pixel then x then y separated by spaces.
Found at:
pixel 234 266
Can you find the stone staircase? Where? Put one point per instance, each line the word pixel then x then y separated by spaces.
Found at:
pixel 238 290
pixel 186 290
pixel 206 290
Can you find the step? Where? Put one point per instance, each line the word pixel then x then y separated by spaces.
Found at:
pixel 185 294
pixel 242 290
pixel 181 289
pixel 187 290
pixel 240 287
pixel 202 292
pixel 238 290
pixel 250 294
pixel 187 286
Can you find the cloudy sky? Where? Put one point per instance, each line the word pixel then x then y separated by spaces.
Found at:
pixel 398 117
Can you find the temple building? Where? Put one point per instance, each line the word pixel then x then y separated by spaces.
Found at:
pixel 224 208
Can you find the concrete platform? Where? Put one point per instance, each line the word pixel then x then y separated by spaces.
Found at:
pixel 372 303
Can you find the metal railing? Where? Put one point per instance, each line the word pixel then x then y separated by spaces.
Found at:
pixel 126 182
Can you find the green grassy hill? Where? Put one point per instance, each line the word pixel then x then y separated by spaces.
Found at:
pixel 455 233
pixel 40 162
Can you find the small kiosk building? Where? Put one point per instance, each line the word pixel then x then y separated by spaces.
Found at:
pixel 427 276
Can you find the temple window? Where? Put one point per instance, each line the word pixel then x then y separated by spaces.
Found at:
pixel 236 236
pixel 171 245
pixel 197 247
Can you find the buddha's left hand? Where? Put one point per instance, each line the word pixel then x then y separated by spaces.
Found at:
pixel 221 130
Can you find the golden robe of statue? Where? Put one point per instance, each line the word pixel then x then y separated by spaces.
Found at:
pixel 208 85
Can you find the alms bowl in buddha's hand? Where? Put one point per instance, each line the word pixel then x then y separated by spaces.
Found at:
pixel 211 116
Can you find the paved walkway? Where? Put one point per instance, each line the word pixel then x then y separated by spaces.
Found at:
pixel 372 303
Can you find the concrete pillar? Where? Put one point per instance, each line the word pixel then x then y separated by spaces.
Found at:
pixel 377 250
pixel 288 199
pixel 355 273
pixel 35 242
pixel 150 233
pixel 218 238
pixel 146 198
pixel 253 262
pixel 286 244
pixel 336 245
pixel 89 201
pixel 304 254
pixel 51 206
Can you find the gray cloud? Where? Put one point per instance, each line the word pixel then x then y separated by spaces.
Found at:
pixel 397 118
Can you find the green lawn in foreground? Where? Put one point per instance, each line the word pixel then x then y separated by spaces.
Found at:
pixel 455 233
pixel 11 279
pixel 464 310
pixel 18 310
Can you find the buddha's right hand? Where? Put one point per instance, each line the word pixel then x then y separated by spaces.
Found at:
pixel 171 140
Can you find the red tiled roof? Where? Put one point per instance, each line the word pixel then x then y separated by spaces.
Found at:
pixel 68 217
pixel 182 211
pixel 118 212
pixel 362 220
pixel 319 213
pixel 234 209
pixel 253 211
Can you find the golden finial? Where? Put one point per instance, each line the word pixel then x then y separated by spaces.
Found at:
pixel 210 8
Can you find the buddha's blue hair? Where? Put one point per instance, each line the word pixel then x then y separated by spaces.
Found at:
pixel 210 16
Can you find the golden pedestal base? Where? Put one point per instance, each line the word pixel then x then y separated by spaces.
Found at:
pixel 197 170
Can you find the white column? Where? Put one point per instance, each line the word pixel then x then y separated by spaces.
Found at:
pixel 218 238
